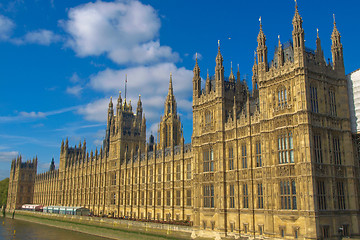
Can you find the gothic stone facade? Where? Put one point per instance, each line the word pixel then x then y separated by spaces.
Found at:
pixel 276 162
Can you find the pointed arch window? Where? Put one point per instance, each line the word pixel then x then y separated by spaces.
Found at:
pixel 314 99
pixel 286 148
pixel 208 118
pixel 282 97
pixel 208 156
pixel 332 102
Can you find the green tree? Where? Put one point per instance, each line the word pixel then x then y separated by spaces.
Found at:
pixel 4 184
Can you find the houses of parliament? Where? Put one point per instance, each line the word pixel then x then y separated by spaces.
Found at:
pixel 278 161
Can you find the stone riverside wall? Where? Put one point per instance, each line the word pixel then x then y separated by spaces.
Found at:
pixel 105 227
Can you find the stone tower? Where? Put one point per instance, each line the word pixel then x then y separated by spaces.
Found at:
pixel 126 131
pixel 170 131
pixel 21 182
pixel 222 100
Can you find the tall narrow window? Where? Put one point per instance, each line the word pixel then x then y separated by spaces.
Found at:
pixel 243 156
pixel 143 175
pixel 178 172
pixel 337 153
pixel 260 196
pixel 208 196
pixel 142 196
pixel 178 197
pixel 150 198
pixel 332 103
pixel 188 171
pixel 285 148
pixel 135 176
pixel 282 97
pixel 113 199
pixel 208 160
pixel 151 173
pixel 245 196
pixel 159 198
pixel 168 170
pixel 340 195
pixel 258 154
pixel 317 149
pixel 288 195
pixel 188 197
pixel 232 196
pixel 134 198
pixel 208 118
pixel 159 174
pixel 113 180
pixel 314 99
pixel 321 195
pixel 325 232
pixel 168 198
pixel 231 158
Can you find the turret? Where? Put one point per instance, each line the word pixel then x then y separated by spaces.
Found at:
pixel 139 108
pixel 337 50
pixel 207 83
pixel 151 143
pixel 298 38
pixel 196 80
pixel 110 110
pixel 119 103
pixel 62 146
pixel 52 165
pixel 319 54
pixel 262 50
pixel 170 103
pixel 280 53
pixel 231 77
pixel 238 72
pixel 219 73
pixel 255 80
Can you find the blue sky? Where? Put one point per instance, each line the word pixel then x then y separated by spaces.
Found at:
pixel 61 60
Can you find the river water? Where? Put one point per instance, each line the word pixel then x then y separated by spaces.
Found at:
pixel 31 231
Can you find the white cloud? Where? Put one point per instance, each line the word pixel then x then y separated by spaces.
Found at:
pixel 126 31
pixel 23 116
pixel 152 82
pixel 6 27
pixel 75 90
pixel 75 78
pixel 42 37
pixel 95 111
pixel 8 156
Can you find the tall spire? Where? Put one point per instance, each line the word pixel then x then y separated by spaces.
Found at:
pixel 170 85
pixel 170 103
pixel 298 38
pixel 238 73
pixel 196 80
pixel 219 72
pixel 261 48
pixel 336 48
pixel 119 103
pixel 254 76
pixel 139 108
pixel 319 55
pixel 207 83
pixel 231 77
pixel 219 58
pixel 280 53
